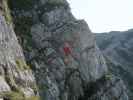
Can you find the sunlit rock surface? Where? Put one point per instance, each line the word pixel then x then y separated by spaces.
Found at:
pixel 14 72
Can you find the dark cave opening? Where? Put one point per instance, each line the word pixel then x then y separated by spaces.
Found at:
pixel 92 88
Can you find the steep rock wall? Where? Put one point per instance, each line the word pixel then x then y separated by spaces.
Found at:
pixel 16 77
pixel 44 29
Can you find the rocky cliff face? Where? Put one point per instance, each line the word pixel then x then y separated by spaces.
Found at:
pixel 15 75
pixel 117 48
pixel 61 51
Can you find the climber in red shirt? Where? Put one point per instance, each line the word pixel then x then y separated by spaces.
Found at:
pixel 67 49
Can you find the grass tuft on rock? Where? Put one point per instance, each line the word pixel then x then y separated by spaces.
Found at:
pixel 12 95
pixel 18 96
pixel 22 65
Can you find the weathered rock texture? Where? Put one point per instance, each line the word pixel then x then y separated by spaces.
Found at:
pixel 43 28
pixel 15 74
pixel 118 49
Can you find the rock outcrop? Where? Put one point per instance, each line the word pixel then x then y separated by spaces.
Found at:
pixel 117 48
pixel 15 75
pixel 61 51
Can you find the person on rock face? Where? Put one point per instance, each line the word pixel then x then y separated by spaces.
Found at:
pixel 67 50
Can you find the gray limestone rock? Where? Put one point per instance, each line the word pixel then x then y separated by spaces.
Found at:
pixel 4 87
pixel 74 72
pixel 15 73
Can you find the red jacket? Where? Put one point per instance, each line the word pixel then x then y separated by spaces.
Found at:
pixel 67 50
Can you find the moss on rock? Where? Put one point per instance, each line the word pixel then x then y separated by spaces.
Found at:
pixel 13 96
pixel 22 65
pixel 6 10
